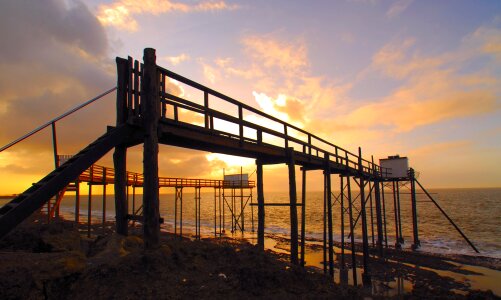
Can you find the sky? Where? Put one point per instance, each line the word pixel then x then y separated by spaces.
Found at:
pixel 416 78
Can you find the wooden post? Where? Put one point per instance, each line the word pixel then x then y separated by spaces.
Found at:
pixel 384 215
pixel 89 201
pixel 120 154
pixel 352 230
pixel 151 104
pixel 327 174
pixel 215 213
pixel 324 223
pixel 303 215
pixel 104 198
pixel 54 145
pixel 366 278
pixel 401 237
pixel 260 205
pixel 379 221
pixel 343 272
pixel 371 206
pixel 242 216
pixel 293 205
pixel 77 201
pixel 395 210
pixel 417 243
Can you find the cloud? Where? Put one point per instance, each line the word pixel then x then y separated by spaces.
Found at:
pixel 394 61
pixel 54 55
pixel 404 111
pixel 210 73
pixel 121 13
pixel 287 56
pixel 486 40
pixel 283 107
pixel 398 7
pixel 280 72
pixel 175 60
pixel 433 88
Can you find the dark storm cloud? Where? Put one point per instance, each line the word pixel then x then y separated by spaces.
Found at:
pixel 26 27
pixel 53 56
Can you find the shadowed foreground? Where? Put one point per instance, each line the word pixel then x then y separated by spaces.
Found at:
pixel 56 262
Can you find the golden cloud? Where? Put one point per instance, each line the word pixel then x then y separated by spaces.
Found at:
pixel 175 60
pixel 121 13
pixel 269 52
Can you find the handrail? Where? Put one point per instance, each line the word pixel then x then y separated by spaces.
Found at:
pixel 64 115
pixel 134 178
pixel 366 165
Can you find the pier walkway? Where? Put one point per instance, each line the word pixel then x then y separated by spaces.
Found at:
pixel 150 113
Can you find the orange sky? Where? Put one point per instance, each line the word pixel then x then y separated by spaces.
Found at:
pixel 416 78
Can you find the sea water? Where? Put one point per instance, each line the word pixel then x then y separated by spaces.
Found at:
pixel 477 212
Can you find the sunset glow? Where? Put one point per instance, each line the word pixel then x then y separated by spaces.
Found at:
pixel 417 78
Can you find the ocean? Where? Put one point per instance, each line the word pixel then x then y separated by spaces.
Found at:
pixel 477 212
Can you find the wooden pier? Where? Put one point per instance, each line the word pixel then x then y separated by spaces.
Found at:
pixel 149 114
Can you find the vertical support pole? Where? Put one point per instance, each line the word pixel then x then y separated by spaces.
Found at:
pixel 151 104
pixel 206 108
pixel 327 174
pixel 366 278
pixel 395 210
pixel 176 197
pixel 120 154
pixel 352 232
pixel 242 217
pixel 384 215
pixel 134 195
pixel 196 214
pixel 372 214
pixel 89 202
pixel 220 212
pixel 293 205
pixel 215 213
pixel 54 145
pixel 343 272
pixel 77 201
pixel 401 237
pixel 181 214
pixel 417 243
pixel 260 204
pixel 199 210
pixel 240 125
pixel 379 221
pixel 303 215
pixel 233 225
pixel 252 209
pixel 104 198
pixel 224 209
pixel 324 240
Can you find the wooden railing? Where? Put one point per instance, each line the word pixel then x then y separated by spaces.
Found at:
pixel 97 174
pixel 302 140
pixel 310 143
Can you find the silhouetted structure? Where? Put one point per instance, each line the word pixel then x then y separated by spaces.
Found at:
pixel 148 113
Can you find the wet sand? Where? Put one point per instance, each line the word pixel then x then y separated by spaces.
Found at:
pixel 57 261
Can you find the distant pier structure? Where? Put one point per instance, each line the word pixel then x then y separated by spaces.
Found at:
pixel 149 113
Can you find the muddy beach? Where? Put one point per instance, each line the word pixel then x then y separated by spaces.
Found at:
pixel 58 261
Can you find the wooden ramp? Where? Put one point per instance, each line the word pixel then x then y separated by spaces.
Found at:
pixel 21 207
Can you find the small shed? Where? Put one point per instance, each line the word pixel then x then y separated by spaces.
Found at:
pixel 236 180
pixel 397 166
